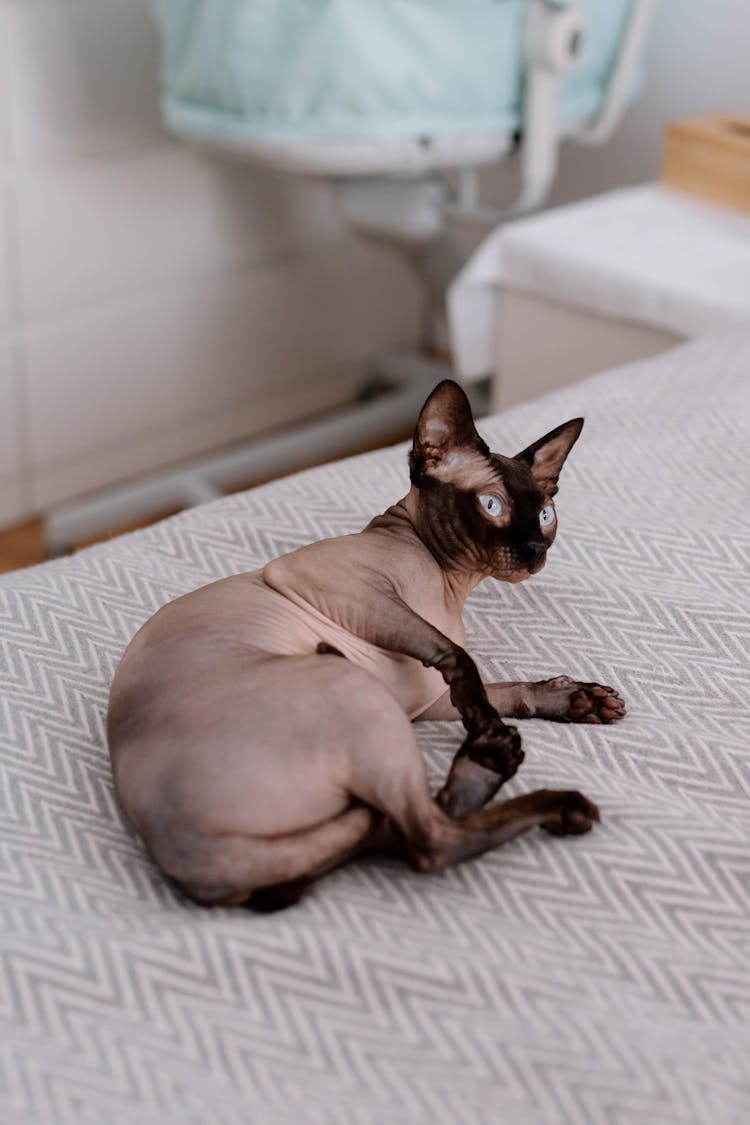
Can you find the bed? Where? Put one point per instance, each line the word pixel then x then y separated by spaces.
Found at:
pixel 599 979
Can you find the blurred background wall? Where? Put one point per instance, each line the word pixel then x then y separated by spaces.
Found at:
pixel 130 267
pixel 154 303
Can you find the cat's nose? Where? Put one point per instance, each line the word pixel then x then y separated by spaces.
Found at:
pixel 536 549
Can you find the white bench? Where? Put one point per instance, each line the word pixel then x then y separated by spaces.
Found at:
pixel 605 281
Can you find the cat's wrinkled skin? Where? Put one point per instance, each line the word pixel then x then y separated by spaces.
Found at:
pixel 260 727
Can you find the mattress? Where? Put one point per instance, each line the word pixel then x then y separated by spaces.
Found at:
pixel 598 979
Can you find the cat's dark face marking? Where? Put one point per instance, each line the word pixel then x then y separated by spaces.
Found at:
pixel 480 511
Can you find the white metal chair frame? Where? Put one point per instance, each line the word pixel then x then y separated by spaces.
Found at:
pixel 397 192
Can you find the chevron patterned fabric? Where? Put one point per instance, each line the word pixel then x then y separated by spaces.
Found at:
pixel 594 980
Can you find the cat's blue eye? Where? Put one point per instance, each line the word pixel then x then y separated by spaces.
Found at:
pixel 492 505
pixel 547 516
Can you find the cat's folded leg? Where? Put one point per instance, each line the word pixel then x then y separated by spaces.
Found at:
pixel 476 774
pixel 492 750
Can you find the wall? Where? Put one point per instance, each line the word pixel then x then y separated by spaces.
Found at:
pixel 697 63
pixel 154 303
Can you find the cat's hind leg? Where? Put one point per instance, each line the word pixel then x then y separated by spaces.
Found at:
pixel 269 874
pixel 447 841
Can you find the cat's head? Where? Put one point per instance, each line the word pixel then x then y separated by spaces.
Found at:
pixel 479 511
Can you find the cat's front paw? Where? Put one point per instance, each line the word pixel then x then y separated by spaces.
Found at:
pixel 497 748
pixel 570 701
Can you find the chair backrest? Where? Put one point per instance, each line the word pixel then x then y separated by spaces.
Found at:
pixel 371 70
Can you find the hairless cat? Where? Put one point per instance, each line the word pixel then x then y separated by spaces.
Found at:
pixel 260 727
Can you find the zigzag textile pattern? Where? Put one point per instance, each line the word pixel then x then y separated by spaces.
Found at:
pixel 552 982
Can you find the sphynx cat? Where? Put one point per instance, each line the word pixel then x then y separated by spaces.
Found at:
pixel 260 727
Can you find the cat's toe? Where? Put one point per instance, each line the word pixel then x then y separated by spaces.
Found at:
pixel 565 700
pixel 594 703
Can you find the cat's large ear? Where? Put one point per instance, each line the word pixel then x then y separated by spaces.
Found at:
pixel 445 437
pixel 546 456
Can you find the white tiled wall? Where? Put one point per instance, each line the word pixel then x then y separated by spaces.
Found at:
pixel 155 218
pixel 4 93
pixel 8 442
pixel 83 75
pixel 10 476
pixel 154 302
pixel 152 363
pixel 6 315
